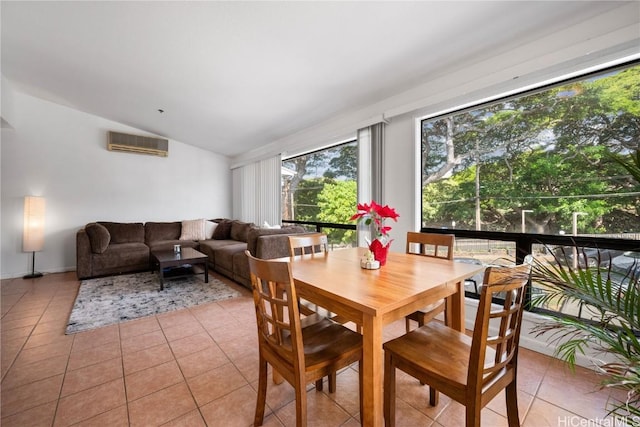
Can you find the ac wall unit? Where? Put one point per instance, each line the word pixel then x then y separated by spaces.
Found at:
pixel 137 144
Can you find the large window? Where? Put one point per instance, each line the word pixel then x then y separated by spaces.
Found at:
pixel 538 163
pixel 537 173
pixel 321 187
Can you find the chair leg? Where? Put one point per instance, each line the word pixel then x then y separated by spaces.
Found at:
pixel 511 394
pixel 277 378
pixel 262 393
pixel 301 403
pixel 407 324
pixel 319 385
pixel 421 323
pixel 389 391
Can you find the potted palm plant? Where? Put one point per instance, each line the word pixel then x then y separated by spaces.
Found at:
pixel 611 297
pixel 613 303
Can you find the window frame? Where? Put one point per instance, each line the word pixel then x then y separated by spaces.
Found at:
pixel 502 99
pixel 524 241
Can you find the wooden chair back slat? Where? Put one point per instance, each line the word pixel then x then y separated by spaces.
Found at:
pixel 308 244
pixel 277 311
pixel 430 244
pixel 510 283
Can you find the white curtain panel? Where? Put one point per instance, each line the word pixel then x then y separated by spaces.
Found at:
pixel 256 191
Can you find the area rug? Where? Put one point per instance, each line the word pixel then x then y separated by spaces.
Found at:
pixel 108 300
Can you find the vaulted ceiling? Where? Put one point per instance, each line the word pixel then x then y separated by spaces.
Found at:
pixel 232 76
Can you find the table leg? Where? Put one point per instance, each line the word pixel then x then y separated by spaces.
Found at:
pixel 372 372
pixel 161 271
pixel 206 272
pixel 457 308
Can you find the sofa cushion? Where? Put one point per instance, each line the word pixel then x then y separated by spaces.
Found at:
pixel 160 231
pixel 241 268
pixel 209 228
pixel 240 230
pixel 125 232
pixel 119 256
pixel 99 237
pixel 193 230
pixel 209 247
pixel 224 255
pixel 223 230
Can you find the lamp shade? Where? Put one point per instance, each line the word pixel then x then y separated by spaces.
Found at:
pixel 33 237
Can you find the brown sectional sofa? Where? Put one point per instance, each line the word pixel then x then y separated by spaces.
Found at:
pixel 127 247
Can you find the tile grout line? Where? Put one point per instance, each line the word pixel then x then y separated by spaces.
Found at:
pixel 175 359
pixel 124 377
pixel 182 373
pixel 26 339
pixel 50 298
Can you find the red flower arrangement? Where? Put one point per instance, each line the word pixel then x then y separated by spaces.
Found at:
pixel 374 215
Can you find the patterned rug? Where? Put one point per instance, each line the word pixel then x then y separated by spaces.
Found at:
pixel 108 300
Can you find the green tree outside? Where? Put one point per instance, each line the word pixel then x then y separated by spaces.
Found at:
pixel 337 203
pixel 548 152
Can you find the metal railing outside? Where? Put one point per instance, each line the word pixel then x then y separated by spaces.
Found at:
pixel 514 246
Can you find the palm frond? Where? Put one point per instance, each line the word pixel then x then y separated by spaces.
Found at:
pixel 611 296
pixel 632 165
pixel 613 302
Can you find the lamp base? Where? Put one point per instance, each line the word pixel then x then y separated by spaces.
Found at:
pixel 34 274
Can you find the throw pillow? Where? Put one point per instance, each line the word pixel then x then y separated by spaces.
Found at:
pixel 209 228
pixel 193 230
pixel 99 237
pixel 239 230
pixel 223 230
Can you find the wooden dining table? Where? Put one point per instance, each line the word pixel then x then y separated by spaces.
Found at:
pixel 374 298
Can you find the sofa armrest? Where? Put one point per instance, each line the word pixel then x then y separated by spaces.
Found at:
pixel 272 246
pixel 256 234
pixel 83 254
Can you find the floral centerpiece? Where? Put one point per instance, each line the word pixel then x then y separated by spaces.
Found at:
pixel 374 215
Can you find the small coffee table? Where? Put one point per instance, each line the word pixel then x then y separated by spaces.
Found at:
pixel 187 256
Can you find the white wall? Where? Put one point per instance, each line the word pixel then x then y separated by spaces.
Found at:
pixel 610 36
pixel 60 154
pixel 399 179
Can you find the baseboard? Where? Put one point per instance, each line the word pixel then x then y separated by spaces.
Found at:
pixel 49 271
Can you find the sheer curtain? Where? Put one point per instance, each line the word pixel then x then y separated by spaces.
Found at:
pixel 256 191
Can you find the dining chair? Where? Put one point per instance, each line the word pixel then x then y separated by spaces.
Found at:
pixel 300 354
pixel 431 245
pixel 470 370
pixel 310 246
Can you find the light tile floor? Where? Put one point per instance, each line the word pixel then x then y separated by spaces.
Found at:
pixel 198 367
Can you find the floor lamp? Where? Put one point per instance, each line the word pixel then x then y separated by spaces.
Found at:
pixel 33 234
